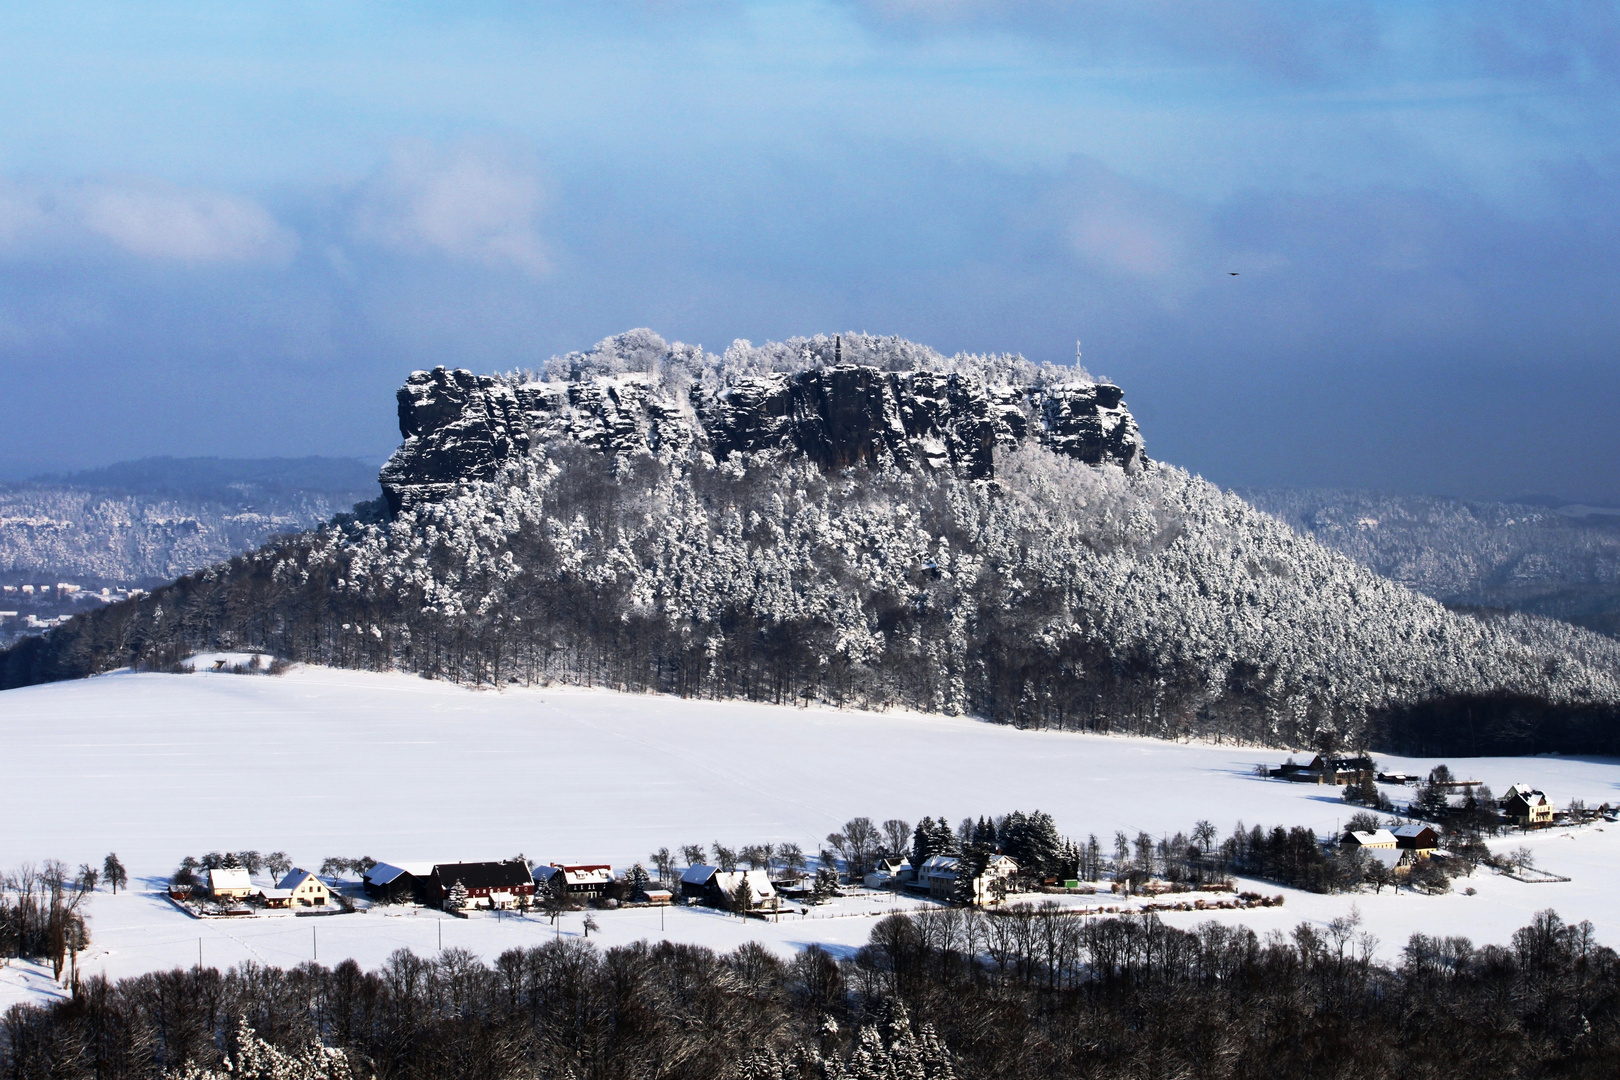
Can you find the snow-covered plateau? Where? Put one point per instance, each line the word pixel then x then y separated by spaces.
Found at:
pixel 322 762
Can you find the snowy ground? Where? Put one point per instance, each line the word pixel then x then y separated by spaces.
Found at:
pixel 321 762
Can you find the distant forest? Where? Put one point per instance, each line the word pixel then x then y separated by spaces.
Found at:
pixel 1564 563
pixel 144 523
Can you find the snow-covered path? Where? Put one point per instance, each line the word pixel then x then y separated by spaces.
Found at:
pixel 322 762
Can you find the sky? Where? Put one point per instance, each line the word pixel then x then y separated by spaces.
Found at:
pixel 1319 243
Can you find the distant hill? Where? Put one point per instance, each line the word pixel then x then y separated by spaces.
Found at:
pixel 224 480
pixel 141 523
pixel 1539 555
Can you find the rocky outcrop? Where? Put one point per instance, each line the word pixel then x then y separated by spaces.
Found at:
pixel 460 426
pixel 457 426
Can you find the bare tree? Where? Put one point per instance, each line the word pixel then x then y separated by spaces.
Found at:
pixel 861 841
pixel 724 857
pixel 896 838
pixel 665 863
pixel 792 856
pixel 693 854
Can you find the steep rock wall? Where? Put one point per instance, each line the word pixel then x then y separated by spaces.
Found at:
pixel 459 426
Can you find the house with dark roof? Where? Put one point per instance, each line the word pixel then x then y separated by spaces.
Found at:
pixel 1527 807
pixel 488 884
pixel 719 888
pixel 1419 839
pixel 397 883
pixel 584 881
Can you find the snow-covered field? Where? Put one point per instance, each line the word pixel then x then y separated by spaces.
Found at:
pixel 321 762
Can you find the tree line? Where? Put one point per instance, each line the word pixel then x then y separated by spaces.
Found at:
pixel 1020 993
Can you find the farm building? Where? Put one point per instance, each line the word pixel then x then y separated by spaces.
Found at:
pixel 397 883
pixel 488 884
pixel 715 887
pixel 1420 839
pixel 233 884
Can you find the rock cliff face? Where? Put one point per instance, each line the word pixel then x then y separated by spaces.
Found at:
pixel 460 426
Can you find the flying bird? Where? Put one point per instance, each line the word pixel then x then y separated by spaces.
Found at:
pixel 1233 273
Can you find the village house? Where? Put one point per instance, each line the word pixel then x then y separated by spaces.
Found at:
pixel 715 887
pixel 583 881
pixel 1378 845
pixel 229 884
pixel 1377 838
pixel 304 889
pixel 937 875
pixel 401 883
pixel 494 885
pixel 889 874
pixel 1419 839
pixel 1527 807
pixel 696 881
pixel 1340 770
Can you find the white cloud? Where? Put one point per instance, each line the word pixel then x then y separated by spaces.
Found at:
pixel 161 222
pixel 472 203
pixel 145 218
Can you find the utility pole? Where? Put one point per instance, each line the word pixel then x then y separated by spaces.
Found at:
pixel 199 954
pixel 315 943
pixel 441 934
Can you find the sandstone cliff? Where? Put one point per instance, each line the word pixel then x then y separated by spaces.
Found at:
pixel 459 426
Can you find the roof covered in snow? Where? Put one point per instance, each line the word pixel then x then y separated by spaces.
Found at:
pixel 296 877
pixel 699 875
pixel 234 878
pixel 386 873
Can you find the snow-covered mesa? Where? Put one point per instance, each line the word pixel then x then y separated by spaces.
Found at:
pixel 321 762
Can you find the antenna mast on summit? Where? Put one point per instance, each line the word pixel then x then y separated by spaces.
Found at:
pixel 1076 352
pixel 838 349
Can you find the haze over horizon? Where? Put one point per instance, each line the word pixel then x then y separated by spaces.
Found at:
pixel 1359 244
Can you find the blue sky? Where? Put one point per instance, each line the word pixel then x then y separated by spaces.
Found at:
pixel 234 229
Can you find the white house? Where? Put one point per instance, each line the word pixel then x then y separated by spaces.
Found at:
pixel 938 875
pixel 305 889
pixel 889 874
pixel 226 884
